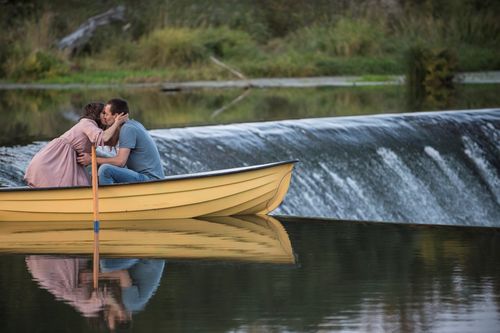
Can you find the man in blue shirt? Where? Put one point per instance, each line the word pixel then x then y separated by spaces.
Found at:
pixel 137 151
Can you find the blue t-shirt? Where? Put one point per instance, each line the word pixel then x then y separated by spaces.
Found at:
pixel 145 274
pixel 144 157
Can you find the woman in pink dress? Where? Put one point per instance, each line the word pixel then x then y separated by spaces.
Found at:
pixel 56 165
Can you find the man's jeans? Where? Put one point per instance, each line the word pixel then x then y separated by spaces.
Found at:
pixel 110 174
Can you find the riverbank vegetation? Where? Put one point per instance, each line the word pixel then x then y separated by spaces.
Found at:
pixel 175 40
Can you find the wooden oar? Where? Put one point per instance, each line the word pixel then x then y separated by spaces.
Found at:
pixel 95 196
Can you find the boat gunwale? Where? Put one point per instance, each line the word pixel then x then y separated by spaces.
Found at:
pixel 213 173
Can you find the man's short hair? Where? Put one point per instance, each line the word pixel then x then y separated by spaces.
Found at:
pixel 118 105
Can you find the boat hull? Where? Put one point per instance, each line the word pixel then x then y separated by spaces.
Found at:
pixel 243 191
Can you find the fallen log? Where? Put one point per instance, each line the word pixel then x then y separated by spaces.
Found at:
pixel 73 42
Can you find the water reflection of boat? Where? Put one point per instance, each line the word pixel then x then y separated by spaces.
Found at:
pixel 241 191
pixel 245 238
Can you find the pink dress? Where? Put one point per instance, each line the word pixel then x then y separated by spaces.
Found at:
pixel 60 276
pixel 56 165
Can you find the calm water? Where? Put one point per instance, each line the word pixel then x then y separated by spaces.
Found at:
pixel 343 276
pixel 29 115
pixel 292 275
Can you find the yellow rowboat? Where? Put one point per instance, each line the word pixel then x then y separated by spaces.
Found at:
pixel 244 238
pixel 242 191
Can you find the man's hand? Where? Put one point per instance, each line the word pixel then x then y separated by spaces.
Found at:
pixel 84 159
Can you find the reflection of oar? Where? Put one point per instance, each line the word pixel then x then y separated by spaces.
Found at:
pixel 95 197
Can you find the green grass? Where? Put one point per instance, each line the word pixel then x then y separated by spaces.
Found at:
pixel 375 78
pixel 124 76
pixel 110 76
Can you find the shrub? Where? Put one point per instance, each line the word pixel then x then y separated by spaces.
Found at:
pixel 227 43
pixel 185 47
pixel 33 65
pixel 348 37
pixel 354 37
pixel 121 52
pixel 171 46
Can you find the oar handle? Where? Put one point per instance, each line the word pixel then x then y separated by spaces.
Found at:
pixel 95 194
pixel 95 197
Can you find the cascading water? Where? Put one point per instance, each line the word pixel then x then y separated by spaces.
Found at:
pixel 438 168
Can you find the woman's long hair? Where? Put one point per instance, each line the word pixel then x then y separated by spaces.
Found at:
pixel 93 112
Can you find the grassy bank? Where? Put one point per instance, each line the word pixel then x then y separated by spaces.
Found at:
pixel 175 41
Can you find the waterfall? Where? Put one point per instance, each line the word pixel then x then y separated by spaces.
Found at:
pixel 434 167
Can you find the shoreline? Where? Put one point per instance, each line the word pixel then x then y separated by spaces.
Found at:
pixel 489 77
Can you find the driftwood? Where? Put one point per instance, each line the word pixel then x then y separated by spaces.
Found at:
pixel 77 39
pixel 232 70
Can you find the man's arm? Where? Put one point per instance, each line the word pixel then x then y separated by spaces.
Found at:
pixel 119 160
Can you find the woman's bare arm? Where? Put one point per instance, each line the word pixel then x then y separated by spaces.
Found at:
pixel 110 131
